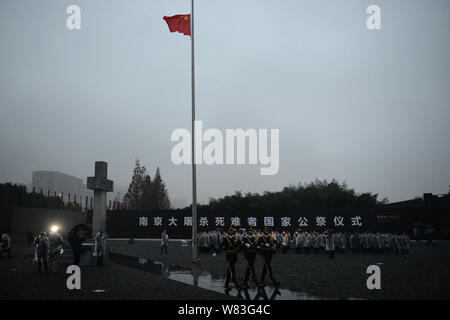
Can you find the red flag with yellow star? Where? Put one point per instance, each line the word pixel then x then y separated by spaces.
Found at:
pixel 180 23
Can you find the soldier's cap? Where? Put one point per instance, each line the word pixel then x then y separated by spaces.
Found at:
pixel 249 229
pixel 230 228
pixel 266 229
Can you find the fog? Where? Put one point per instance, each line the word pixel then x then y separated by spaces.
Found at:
pixel 370 108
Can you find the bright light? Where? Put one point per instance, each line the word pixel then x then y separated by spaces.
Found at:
pixel 54 229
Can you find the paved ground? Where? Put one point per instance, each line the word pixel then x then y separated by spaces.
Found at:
pixel 422 274
pixel 19 280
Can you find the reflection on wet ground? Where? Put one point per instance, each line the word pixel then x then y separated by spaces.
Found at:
pixel 205 280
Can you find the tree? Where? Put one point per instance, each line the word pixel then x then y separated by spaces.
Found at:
pixel 159 192
pixel 147 200
pixel 145 193
pixel 132 198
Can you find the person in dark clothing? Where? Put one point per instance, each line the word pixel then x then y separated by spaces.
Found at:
pixel 230 243
pixel 76 240
pixel 5 245
pixel 249 243
pixel 42 251
pixel 267 244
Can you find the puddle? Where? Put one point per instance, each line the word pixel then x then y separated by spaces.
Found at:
pixel 207 281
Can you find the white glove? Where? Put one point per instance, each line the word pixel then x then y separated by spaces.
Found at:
pixel 267 245
pixel 247 245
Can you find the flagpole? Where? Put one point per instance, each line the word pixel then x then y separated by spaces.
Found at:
pixel 194 171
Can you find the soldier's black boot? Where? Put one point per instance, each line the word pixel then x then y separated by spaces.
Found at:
pixel 236 285
pixel 255 281
pixel 275 283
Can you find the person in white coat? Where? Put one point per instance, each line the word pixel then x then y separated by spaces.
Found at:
pixel 406 243
pixel 316 242
pixel 297 239
pixel 100 247
pixel 387 243
pixel 308 242
pixel 396 244
pixel 302 241
pixel 342 242
pixel 284 242
pixel 164 241
pixel 329 244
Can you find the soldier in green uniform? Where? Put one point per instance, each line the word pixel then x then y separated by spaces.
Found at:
pixel 267 244
pixel 231 243
pixel 249 243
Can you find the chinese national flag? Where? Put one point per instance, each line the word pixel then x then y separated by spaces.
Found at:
pixel 180 23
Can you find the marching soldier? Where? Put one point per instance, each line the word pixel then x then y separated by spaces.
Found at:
pixel 231 243
pixel 268 244
pixel 249 244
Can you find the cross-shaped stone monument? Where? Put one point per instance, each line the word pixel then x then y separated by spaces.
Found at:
pixel 101 185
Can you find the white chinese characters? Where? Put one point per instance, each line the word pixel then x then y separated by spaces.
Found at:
pixel 143 221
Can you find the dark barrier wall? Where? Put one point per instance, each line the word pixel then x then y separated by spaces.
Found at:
pixel 150 224
pixel 37 220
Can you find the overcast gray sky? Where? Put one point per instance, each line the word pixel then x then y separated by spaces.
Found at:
pixel 367 107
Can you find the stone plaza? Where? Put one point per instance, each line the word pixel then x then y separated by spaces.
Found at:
pixel 146 274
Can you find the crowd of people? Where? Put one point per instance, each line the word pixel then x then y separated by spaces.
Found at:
pixel 48 249
pixel 366 242
pixel 267 243
pixel 316 242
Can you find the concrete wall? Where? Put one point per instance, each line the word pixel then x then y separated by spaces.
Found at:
pixel 37 220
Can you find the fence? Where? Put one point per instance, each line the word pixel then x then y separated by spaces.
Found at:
pixel 83 201
pixel 36 220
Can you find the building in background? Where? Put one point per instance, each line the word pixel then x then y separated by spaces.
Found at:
pixel 60 183
pixel 63 184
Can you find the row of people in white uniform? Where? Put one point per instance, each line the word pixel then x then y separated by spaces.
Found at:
pixel 209 241
pixel 365 242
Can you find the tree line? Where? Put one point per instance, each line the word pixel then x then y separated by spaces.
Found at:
pixel 319 194
pixel 146 193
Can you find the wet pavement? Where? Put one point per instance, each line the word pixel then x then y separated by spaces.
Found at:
pixel 205 280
